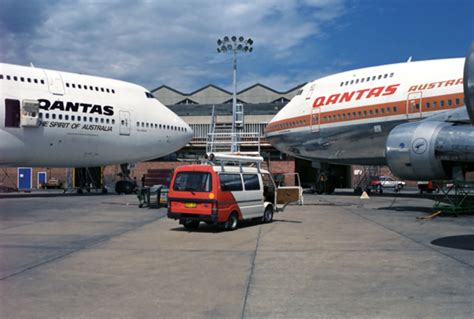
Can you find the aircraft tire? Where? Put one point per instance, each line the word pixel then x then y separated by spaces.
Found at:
pixel 124 187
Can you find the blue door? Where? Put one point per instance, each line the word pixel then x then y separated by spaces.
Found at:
pixel 41 179
pixel 24 178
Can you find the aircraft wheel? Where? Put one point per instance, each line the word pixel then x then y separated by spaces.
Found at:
pixel 124 187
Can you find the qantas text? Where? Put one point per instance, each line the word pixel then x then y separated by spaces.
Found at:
pixel 356 95
pixel 434 85
pixel 76 107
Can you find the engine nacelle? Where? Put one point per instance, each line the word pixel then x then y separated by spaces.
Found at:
pixel 411 151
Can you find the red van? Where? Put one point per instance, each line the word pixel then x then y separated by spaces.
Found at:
pixel 218 194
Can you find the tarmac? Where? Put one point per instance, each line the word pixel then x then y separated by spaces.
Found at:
pixel 338 256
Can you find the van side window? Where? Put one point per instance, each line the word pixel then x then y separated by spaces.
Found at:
pixel 251 182
pixel 231 182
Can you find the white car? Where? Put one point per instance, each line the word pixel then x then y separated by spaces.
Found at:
pixel 388 182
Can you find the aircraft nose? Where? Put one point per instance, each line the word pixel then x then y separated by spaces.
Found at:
pixel 189 133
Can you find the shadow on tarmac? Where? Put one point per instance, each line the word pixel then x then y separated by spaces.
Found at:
pixel 464 242
pixel 417 209
pixel 204 228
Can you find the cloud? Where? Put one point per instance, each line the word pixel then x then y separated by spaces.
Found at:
pixel 163 42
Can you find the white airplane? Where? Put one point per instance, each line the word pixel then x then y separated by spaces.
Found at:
pixel 59 119
pixel 410 116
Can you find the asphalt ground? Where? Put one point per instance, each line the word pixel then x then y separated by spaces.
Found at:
pixel 336 257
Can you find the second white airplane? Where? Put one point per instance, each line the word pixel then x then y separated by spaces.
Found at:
pixel 412 116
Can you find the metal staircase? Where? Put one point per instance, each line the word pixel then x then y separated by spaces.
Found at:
pixel 220 138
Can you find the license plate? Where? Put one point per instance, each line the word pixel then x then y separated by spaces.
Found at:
pixel 190 205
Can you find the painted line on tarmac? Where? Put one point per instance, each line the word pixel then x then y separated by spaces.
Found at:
pixel 249 280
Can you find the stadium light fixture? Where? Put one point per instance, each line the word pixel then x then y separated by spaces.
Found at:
pixel 234 44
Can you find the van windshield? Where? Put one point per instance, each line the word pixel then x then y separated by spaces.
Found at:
pixel 193 181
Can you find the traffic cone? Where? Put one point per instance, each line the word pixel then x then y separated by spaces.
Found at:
pixel 364 195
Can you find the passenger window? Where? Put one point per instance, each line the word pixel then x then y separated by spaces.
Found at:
pixel 441 103
pixel 251 182
pixel 230 182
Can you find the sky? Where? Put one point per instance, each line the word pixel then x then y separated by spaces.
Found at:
pixel 173 42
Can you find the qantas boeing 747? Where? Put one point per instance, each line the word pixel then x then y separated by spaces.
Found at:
pixel 60 119
pixel 415 117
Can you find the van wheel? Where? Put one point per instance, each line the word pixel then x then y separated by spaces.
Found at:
pixel 268 215
pixel 191 224
pixel 231 223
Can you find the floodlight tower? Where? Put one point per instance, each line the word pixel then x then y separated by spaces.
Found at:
pixel 234 45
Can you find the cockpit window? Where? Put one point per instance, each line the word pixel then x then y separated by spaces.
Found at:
pixel 149 95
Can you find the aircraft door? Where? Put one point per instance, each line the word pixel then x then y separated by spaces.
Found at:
pixel 310 92
pixel 55 82
pixel 315 119
pixel 125 124
pixel 414 106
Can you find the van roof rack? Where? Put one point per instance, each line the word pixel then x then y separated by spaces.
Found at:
pixel 235 158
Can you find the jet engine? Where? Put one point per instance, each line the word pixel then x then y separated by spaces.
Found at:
pixel 429 150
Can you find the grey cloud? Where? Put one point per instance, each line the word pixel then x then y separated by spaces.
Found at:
pixel 164 42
